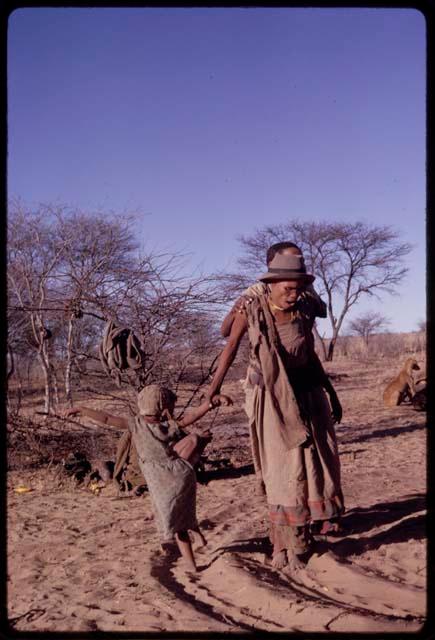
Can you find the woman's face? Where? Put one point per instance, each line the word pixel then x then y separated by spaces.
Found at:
pixel 285 293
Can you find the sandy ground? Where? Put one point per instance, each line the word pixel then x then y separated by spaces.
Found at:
pixel 78 561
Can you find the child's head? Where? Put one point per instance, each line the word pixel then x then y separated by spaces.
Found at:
pixel 154 400
pixel 284 248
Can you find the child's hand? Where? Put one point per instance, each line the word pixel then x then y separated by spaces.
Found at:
pixel 72 411
pixel 220 399
pixel 242 303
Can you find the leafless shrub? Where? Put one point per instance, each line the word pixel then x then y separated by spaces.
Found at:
pixel 71 271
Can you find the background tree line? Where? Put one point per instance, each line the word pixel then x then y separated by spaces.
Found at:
pixel 71 271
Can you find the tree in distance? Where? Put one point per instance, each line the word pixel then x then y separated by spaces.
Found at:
pixel 349 260
pixel 366 324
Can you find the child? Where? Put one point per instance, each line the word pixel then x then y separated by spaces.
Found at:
pixel 166 459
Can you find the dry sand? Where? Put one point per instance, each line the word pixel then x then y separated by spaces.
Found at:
pixel 80 562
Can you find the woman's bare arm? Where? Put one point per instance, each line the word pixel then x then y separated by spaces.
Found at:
pixel 196 413
pixel 99 416
pixel 228 354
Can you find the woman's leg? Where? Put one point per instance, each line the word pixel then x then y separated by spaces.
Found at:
pixel 185 547
pixel 291 547
pixel 300 547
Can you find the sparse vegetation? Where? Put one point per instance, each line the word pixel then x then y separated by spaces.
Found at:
pixel 350 261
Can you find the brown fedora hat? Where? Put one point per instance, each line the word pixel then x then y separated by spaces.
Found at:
pixel 287 267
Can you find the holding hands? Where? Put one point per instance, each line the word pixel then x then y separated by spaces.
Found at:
pixel 242 303
pixel 71 411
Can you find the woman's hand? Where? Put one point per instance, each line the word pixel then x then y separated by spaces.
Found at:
pixel 337 410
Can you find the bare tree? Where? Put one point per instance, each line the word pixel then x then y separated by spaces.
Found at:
pixel 349 260
pixel 99 257
pixel 33 253
pixel 70 272
pixel 366 324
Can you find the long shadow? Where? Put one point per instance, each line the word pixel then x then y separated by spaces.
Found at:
pixel 383 433
pixel 362 519
pixel 413 528
pixel 250 545
pixel 359 520
pixel 227 472
pixel 162 571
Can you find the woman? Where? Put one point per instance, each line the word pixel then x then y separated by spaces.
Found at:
pixel 292 431
pixel 166 457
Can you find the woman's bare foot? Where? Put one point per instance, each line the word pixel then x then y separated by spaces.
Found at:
pixel 297 561
pixel 279 559
pixel 260 489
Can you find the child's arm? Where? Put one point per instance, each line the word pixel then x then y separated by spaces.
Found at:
pixel 99 416
pixel 240 305
pixel 197 413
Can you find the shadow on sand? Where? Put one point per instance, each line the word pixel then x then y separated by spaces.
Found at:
pixel 365 519
pixel 357 521
pixel 382 433
pixel 226 472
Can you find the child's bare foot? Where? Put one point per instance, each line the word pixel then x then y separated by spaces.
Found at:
pixel 169 549
pixel 190 566
pixel 279 559
pixel 198 539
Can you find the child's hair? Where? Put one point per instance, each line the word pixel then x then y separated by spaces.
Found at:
pixel 277 248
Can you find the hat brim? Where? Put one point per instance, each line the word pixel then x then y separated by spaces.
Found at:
pixel 306 278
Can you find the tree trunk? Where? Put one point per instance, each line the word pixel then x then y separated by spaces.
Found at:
pixel 11 367
pixel 28 368
pixel 55 385
pixel 321 342
pixel 68 369
pixel 18 392
pixel 45 365
pixel 331 348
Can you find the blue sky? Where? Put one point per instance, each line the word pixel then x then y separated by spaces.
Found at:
pixel 215 122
